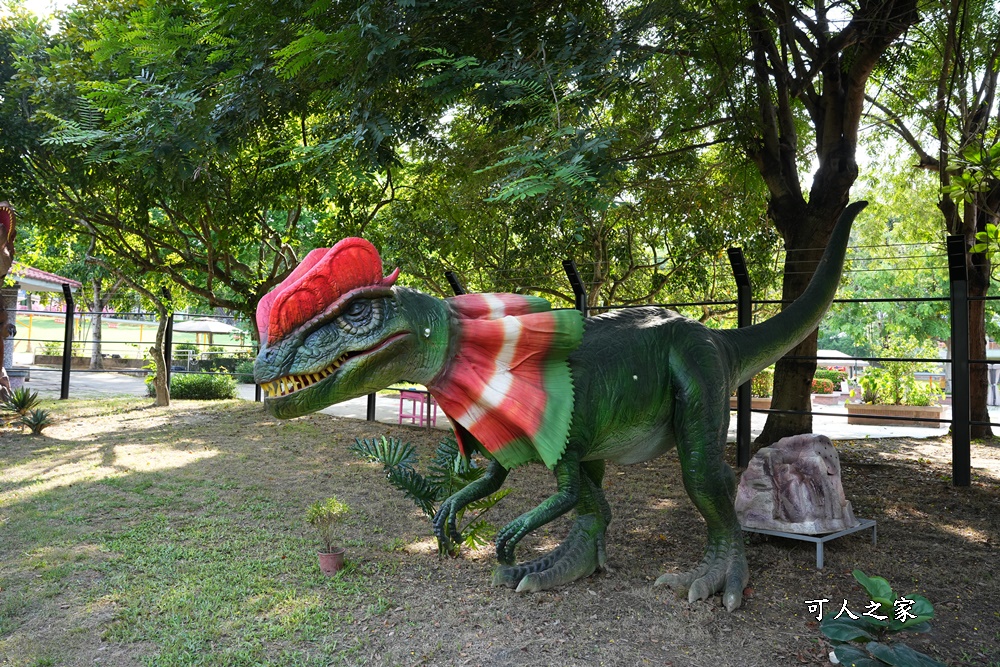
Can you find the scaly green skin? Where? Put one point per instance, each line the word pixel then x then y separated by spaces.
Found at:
pixel 645 380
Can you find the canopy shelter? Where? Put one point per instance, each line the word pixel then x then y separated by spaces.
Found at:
pixel 837 359
pixel 30 279
pixel 207 326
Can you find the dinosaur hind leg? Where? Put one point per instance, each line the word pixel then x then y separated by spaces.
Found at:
pixel 580 554
pixel 702 424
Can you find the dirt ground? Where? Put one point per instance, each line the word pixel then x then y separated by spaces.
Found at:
pixel 933 539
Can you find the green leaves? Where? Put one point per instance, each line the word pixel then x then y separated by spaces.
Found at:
pixel 902 613
pixel 390 452
pixel 448 473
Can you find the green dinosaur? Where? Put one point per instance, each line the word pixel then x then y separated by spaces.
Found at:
pixel 523 383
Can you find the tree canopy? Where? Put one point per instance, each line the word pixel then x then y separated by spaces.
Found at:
pixel 212 144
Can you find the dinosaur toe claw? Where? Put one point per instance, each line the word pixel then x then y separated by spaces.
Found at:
pixel 579 556
pixel 724 570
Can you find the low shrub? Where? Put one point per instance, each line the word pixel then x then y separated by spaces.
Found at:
pixel 762 384
pixel 21 401
pixel 197 386
pixel 822 386
pixel 244 371
pixel 836 377
pixel 37 420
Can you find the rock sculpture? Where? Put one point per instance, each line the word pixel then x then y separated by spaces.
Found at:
pixel 794 486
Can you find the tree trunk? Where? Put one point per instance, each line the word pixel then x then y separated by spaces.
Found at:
pixel 806 234
pixel 160 383
pixel 831 90
pixel 96 358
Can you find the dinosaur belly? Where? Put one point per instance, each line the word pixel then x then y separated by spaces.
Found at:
pixel 634 444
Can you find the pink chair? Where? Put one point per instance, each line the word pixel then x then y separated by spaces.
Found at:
pixel 417 406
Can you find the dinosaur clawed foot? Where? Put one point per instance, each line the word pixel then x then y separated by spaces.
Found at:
pixel 579 556
pixel 723 570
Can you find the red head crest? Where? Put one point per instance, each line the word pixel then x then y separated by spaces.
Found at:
pixel 326 276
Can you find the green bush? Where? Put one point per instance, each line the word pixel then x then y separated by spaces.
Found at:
pixel 762 384
pixel 37 420
pixel 822 386
pixel 449 471
pixel 203 387
pixel 893 382
pixel 324 515
pixel 244 371
pixel 21 401
pixel 836 377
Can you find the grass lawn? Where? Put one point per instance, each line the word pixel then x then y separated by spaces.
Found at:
pixel 166 545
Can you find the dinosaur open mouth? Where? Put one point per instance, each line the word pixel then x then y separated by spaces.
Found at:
pixel 289 384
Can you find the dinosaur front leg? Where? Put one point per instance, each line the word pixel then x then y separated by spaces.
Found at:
pixel 583 551
pixel 711 485
pixel 446 518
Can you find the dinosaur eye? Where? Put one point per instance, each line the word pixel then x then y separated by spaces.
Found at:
pixel 361 316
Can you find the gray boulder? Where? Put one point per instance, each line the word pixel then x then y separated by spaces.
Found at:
pixel 794 486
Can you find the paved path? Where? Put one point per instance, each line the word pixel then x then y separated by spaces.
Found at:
pixel 831 420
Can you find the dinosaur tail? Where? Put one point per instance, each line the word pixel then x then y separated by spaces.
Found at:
pixel 756 347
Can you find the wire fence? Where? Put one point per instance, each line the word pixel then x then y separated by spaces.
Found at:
pixel 215 344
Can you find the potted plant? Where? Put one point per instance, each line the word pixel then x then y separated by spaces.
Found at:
pixel 761 388
pixel 892 390
pixel 324 515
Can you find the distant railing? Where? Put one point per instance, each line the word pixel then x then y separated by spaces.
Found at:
pixel 958 301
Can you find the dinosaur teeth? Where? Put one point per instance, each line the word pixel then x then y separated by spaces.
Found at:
pixel 293 383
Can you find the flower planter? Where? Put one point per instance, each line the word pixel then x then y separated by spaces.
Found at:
pixel 330 562
pixel 867 414
pixel 755 403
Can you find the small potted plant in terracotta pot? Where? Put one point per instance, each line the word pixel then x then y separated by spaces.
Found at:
pixel 324 515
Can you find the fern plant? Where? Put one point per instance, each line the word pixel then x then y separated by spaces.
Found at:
pixel 448 472
pixel 21 401
pixel 37 420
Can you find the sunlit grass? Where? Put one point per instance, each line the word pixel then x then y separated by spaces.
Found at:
pixel 142 538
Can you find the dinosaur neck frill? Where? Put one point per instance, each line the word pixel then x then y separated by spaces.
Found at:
pixel 508 383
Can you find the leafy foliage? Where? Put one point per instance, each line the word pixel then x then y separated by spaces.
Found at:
pixel 21 401
pixel 324 515
pixel 893 382
pixel 762 384
pixel 448 472
pixel 244 371
pixel 867 639
pixel 37 420
pixel 822 386
pixel 203 386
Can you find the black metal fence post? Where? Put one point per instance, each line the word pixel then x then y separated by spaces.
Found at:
pixel 744 317
pixel 456 285
pixel 576 282
pixel 961 415
pixel 258 394
pixel 67 360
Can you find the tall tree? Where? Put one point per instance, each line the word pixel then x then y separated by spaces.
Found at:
pixel 943 105
pixel 587 130
pixel 802 97
pixel 137 148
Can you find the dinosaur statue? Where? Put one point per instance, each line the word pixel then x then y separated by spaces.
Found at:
pixel 7 234
pixel 523 383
